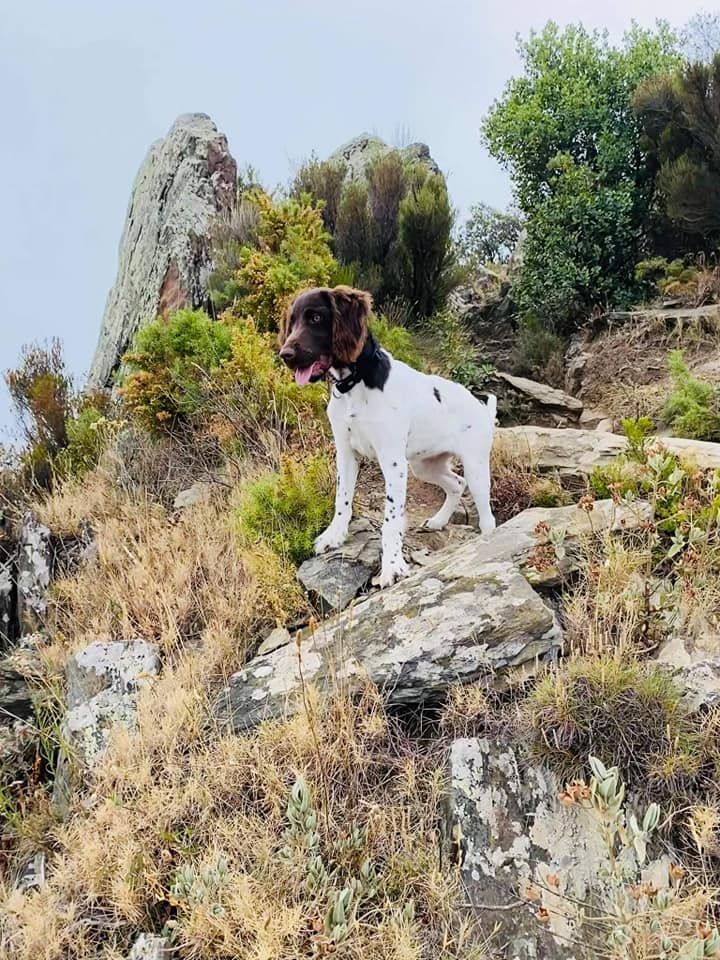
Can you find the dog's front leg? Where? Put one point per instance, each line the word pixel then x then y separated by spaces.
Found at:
pixel 393 464
pixel 347 471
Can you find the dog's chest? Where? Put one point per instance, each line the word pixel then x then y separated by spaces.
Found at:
pixel 361 434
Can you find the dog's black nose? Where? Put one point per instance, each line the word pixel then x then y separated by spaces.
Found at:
pixel 287 354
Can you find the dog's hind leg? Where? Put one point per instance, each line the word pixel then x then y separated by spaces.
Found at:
pixel 477 474
pixel 437 470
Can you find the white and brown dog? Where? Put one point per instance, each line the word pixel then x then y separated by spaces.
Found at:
pixel 382 408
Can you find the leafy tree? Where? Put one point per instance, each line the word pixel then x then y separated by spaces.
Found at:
pixel 680 115
pixel 490 235
pixel 567 132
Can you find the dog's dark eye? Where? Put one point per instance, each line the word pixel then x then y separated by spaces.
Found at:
pixel 316 318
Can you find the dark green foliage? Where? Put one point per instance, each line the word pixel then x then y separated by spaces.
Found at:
pixel 680 115
pixel 693 407
pixel 424 228
pixel 287 510
pixel 323 180
pixel 87 435
pixel 354 236
pixel 393 228
pixel 567 132
pixel 489 235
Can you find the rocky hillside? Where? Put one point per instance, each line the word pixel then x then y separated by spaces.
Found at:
pixel 215 745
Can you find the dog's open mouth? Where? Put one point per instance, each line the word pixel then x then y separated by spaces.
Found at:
pixel 314 372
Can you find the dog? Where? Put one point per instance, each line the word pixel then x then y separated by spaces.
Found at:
pixel 382 408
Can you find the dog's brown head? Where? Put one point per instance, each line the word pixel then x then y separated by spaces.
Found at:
pixel 324 328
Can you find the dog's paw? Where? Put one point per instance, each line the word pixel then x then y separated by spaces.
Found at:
pixel 433 523
pixel 329 540
pixel 390 572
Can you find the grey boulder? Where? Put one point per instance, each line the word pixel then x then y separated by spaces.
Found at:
pixel 534 871
pixel 453 621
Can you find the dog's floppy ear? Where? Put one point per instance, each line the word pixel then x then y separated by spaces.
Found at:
pixel 350 323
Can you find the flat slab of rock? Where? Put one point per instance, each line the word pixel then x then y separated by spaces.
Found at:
pixel 543 394
pixel 530 867
pixel 456 620
pixel 575 452
pixel 335 578
pixel 35 561
pixel 527 539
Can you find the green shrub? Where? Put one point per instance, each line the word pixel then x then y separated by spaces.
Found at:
pixel 254 395
pixel 451 350
pixel 291 251
pixel 393 228
pixel 396 340
pixel 288 509
pixel 323 180
pixel 538 352
pixel 425 221
pixel 88 434
pixel 170 367
pixel 692 409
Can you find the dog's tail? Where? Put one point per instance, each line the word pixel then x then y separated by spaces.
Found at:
pixel 491 404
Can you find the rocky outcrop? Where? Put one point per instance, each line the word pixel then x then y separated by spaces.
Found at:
pixel 452 621
pixel 103 682
pixel 35 563
pixel 535 871
pixel 186 179
pixel 470 613
pixel 486 308
pixel 521 400
pixel 8 593
pixel 359 152
pixel 578 452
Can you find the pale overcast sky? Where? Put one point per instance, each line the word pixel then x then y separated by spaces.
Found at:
pixel 89 85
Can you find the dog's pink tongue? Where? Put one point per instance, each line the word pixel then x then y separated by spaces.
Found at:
pixel 302 376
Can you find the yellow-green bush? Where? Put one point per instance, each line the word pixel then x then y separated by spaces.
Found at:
pixel 396 340
pixel 286 510
pixel 291 251
pixel 254 392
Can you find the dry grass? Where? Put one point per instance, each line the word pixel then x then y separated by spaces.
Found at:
pixel 172 579
pixel 177 797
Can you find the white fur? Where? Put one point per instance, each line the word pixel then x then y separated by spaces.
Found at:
pixel 402 424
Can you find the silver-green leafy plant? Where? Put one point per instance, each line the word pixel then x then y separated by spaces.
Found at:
pixel 639 911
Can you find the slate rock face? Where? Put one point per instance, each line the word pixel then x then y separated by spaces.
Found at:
pixel 452 621
pixel 186 179
pixel 535 871
pixel 103 682
pixel 334 578
pixel 35 563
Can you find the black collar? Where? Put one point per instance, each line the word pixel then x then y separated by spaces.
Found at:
pixel 359 369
